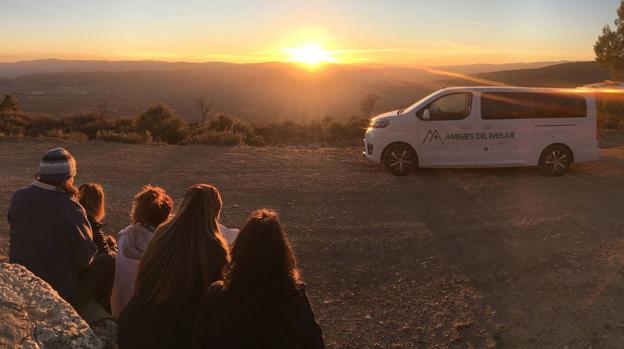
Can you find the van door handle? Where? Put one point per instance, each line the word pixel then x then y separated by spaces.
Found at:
pixel 466 127
pixel 487 127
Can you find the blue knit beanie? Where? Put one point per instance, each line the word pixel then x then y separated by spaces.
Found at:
pixel 57 166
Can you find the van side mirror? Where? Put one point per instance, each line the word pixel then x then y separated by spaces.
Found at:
pixel 426 115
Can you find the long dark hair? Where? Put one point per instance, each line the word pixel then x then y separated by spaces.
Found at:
pixel 187 253
pixel 263 263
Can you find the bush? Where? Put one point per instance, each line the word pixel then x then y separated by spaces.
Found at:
pixel 13 123
pixel 216 138
pixel 163 123
pixel 125 137
pixel 70 136
pixel 611 112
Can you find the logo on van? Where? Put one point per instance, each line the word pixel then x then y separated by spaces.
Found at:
pixel 433 135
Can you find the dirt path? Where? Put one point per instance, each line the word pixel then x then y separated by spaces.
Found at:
pixel 443 258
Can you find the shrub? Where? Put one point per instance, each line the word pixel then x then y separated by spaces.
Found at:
pixel 611 112
pixel 125 137
pixel 13 123
pixel 216 138
pixel 222 122
pixel 163 123
pixel 70 136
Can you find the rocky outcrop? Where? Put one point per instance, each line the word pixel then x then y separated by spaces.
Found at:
pixel 33 315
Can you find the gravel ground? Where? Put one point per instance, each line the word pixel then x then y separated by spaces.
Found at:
pixel 442 258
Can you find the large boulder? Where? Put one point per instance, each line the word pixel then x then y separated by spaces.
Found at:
pixel 33 315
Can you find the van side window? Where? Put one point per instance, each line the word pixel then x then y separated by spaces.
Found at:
pixel 455 106
pixel 548 105
pixel 506 105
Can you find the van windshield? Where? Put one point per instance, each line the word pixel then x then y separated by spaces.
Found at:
pixel 417 104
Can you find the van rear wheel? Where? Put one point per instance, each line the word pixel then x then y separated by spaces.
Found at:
pixel 555 160
pixel 400 160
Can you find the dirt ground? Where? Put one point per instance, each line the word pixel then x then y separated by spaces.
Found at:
pixel 443 258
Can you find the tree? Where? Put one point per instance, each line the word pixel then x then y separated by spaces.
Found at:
pixel 205 107
pixel 368 104
pixel 163 123
pixel 9 104
pixel 609 47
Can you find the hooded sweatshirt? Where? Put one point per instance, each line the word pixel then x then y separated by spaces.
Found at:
pixel 133 241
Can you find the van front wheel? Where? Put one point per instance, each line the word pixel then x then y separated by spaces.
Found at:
pixel 555 160
pixel 400 160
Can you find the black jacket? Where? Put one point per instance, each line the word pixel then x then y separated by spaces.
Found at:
pixel 227 322
pixel 50 236
pixel 104 244
pixel 146 324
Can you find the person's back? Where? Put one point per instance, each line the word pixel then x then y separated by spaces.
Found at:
pixel 227 321
pixel 260 303
pixel 186 255
pixel 150 208
pixel 50 235
pixel 133 241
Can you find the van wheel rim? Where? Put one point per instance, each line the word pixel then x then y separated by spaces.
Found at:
pixel 400 160
pixel 556 161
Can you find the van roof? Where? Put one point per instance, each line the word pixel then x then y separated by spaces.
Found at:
pixel 511 89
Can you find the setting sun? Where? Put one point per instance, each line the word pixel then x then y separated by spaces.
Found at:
pixel 311 54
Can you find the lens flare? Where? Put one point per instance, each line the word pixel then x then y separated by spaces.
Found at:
pixel 311 54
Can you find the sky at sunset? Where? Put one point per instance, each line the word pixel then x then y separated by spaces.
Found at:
pixel 423 32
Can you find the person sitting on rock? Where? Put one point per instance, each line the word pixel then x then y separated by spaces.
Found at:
pixel 261 303
pixel 186 255
pixel 150 208
pixel 49 231
pixel 91 197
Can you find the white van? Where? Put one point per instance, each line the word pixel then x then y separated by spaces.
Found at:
pixel 487 127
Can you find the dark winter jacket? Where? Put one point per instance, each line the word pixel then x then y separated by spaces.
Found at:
pixel 227 322
pixel 50 235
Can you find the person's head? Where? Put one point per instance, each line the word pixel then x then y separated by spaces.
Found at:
pixel 58 168
pixel 188 253
pixel 262 259
pixel 151 207
pixel 91 197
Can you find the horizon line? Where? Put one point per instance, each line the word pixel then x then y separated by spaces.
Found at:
pixel 281 62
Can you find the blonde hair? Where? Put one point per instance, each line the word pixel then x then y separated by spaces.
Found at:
pixel 91 197
pixel 188 253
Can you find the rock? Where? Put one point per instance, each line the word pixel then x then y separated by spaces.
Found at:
pixel 33 315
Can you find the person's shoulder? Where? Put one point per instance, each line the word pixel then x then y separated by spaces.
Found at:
pixel 72 203
pixel 25 191
pixel 300 287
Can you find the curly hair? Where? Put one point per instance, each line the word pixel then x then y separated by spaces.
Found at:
pixel 151 207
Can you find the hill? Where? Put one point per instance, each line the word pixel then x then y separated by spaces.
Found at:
pixel 573 74
pixel 255 92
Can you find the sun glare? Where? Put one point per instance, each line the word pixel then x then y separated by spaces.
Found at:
pixel 311 54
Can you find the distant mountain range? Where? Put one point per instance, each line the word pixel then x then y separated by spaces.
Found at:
pixel 262 92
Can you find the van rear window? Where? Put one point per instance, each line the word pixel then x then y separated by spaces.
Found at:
pixel 506 105
pixel 522 105
pixel 549 105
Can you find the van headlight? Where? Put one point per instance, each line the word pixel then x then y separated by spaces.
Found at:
pixel 381 123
